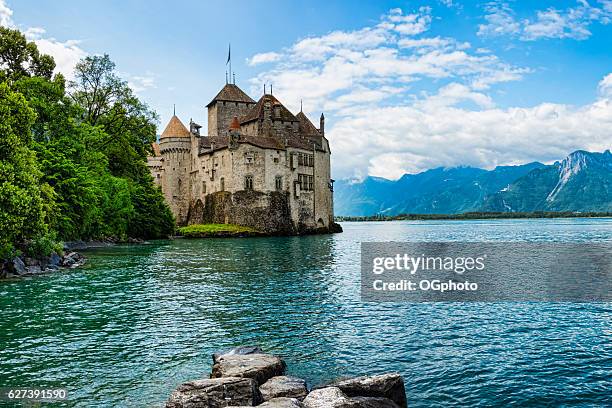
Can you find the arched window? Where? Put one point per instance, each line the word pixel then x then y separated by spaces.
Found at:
pixel 248 183
pixel 222 184
pixel 278 183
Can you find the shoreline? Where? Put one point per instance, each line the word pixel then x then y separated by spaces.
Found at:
pixel 475 216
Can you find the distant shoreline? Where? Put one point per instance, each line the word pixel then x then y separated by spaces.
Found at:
pixel 478 216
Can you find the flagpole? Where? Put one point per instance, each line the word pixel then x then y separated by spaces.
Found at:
pixel 229 55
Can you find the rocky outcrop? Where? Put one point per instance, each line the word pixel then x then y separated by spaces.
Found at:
pixel 26 266
pixel 269 213
pixel 245 377
pixel 260 367
pixel 214 393
pixel 389 386
pixel 329 397
pixel 283 386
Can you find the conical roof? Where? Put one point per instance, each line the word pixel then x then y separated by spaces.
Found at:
pixel 231 93
pixel 175 128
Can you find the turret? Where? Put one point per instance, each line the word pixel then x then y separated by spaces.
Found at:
pixel 322 124
pixel 175 149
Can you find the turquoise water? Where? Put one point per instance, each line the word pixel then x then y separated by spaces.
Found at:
pixel 139 320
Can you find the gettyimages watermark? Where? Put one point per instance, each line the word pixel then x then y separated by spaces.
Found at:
pixel 478 271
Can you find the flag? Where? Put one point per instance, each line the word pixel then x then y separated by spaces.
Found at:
pixel 229 54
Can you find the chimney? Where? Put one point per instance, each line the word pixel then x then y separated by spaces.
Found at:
pixel 322 125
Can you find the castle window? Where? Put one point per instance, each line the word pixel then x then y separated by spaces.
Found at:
pixel 276 160
pixel 248 183
pixel 222 184
pixel 278 183
pixel 203 187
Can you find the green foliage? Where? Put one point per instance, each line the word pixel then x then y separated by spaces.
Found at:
pixel 216 230
pixel 44 245
pixel 72 164
pixel 21 58
pixel 21 206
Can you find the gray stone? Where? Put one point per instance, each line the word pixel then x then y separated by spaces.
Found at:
pixel 242 350
pixel 329 397
pixel 215 393
pixel 34 270
pixel 389 386
pixel 73 260
pixel 17 267
pixel 260 367
pixel 54 259
pixel 279 403
pixel 374 402
pixel 283 386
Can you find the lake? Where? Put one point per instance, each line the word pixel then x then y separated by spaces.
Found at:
pixel 136 321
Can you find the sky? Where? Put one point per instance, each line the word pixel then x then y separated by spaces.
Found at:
pixel 405 85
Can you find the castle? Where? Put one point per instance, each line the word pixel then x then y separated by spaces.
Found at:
pixel 259 166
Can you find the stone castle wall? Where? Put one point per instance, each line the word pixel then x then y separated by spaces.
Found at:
pixel 221 114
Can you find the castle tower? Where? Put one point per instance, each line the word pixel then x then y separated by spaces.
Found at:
pixel 175 149
pixel 230 102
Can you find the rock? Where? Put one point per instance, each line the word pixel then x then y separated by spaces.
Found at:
pixel 374 402
pixel 215 393
pixel 34 270
pixel 329 397
pixel 72 260
pixel 54 259
pixel 280 403
pixel 17 266
pixel 389 386
pixel 238 350
pixel 31 261
pixel 283 386
pixel 258 366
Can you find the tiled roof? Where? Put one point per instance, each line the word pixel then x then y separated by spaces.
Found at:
pixel 258 110
pixel 231 93
pixel 156 151
pixel 306 126
pixel 175 128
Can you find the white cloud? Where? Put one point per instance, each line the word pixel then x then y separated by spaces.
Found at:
pixel 401 104
pixel 140 83
pixel 391 141
pixel 573 22
pixel 66 54
pixel 263 58
pixel 342 66
pixel 605 86
pixel 5 15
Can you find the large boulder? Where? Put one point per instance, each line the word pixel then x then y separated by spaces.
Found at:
pixel 280 403
pixel 389 386
pixel 283 386
pixel 73 260
pixel 215 393
pixel 329 397
pixel 258 366
pixel 17 266
pixel 54 259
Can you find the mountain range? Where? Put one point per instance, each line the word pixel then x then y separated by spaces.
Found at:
pixel 580 182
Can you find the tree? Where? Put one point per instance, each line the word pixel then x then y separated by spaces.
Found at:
pixel 21 205
pixel 21 58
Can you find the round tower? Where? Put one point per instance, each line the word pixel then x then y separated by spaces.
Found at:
pixel 175 149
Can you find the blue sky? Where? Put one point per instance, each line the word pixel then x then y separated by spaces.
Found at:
pixel 405 85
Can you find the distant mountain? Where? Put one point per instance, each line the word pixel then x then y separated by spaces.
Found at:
pixel 582 182
pixel 436 191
